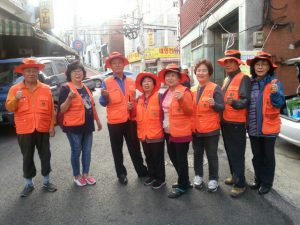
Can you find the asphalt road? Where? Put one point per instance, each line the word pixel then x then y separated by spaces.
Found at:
pixel 108 202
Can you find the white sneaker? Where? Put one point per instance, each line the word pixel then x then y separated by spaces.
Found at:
pixel 212 185
pixel 198 180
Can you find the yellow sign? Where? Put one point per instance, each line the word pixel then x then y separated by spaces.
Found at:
pixel 155 53
pixel 46 14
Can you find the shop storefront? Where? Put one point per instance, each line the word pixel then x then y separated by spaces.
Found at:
pixel 22 40
pixel 155 59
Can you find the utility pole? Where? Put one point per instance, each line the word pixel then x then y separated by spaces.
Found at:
pixel 141 34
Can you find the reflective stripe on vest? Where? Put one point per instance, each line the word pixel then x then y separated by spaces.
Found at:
pixel 271 115
pixel 205 119
pixel 117 108
pixel 75 116
pixel 180 124
pixel 36 114
pixel 148 118
pixel 230 114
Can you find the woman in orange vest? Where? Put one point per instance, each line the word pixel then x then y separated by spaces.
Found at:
pixel 208 102
pixel 149 128
pixel 264 119
pixel 177 111
pixel 78 108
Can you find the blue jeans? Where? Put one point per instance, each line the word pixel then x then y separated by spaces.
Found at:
pixel 80 143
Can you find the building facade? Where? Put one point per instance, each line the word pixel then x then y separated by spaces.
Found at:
pixel 209 27
pixel 156 36
pixel 282 26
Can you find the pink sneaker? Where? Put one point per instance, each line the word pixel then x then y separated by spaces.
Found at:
pixel 90 180
pixel 80 182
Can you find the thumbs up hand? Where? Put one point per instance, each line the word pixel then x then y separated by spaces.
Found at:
pixel 19 94
pixel 274 88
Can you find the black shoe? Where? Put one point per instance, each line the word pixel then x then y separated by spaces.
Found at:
pixel 264 190
pixel 27 191
pixel 123 179
pixel 157 185
pixel 255 185
pixel 149 181
pixel 49 187
pixel 143 174
pixel 176 185
pixel 176 193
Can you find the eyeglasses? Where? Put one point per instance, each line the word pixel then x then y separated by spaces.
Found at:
pixel 77 71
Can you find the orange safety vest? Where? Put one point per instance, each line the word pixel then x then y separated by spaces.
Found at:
pixel 75 116
pixel 230 114
pixel 205 119
pixel 271 115
pixel 148 118
pixel 36 113
pixel 180 124
pixel 117 109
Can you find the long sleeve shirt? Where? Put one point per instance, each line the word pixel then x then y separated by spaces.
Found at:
pixel 218 107
pixel 12 103
pixel 121 82
pixel 255 117
pixel 244 93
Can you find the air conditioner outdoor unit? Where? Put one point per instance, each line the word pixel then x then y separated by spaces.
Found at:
pixel 258 39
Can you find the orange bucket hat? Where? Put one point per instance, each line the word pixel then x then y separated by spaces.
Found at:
pixel 174 68
pixel 115 55
pixel 233 55
pixel 29 63
pixel 141 76
pixel 263 56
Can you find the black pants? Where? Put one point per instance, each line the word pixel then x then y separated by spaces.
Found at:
pixel 263 159
pixel 27 143
pixel 178 156
pixel 234 137
pixel 210 145
pixel 128 130
pixel 155 159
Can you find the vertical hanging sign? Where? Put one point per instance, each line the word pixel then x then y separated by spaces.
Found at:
pixel 46 14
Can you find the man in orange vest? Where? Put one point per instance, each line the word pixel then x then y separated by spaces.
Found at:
pixel 118 96
pixel 32 104
pixel 236 89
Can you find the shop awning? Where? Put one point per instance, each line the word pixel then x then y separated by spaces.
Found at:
pixel 54 41
pixel 166 60
pixel 150 61
pixel 15 28
pixel 21 39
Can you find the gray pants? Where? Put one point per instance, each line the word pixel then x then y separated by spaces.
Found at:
pixel 210 145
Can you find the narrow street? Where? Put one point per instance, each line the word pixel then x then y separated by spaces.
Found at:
pixel 110 203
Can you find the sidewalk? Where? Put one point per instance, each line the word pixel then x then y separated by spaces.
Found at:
pixel 285 195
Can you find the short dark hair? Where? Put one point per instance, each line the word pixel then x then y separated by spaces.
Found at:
pixel 154 81
pixel 252 70
pixel 207 63
pixel 74 66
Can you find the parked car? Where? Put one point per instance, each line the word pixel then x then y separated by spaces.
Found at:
pixel 290 125
pixel 53 75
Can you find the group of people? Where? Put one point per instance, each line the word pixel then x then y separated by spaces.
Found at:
pixel 176 117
